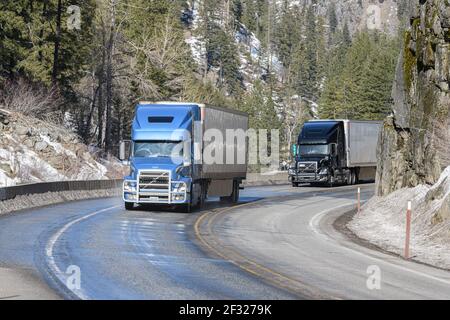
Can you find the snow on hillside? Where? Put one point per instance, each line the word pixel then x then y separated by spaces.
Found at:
pixel 253 60
pixel 33 151
pixel 383 221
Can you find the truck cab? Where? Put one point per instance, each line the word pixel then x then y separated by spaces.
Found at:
pixel 319 151
pixel 165 157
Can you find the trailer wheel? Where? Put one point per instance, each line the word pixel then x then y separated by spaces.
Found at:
pixel 234 198
pixel 235 194
pixel 129 206
pixel 356 176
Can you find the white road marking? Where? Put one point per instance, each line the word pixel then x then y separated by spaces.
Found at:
pixel 314 224
pixel 51 244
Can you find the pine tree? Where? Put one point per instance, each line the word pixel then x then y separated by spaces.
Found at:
pixel 332 18
pixel 287 33
pixel 306 60
pixel 14 43
pixel 260 106
pixel 359 85
pixel 39 45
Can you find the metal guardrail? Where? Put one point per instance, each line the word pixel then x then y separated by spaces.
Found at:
pixel 9 193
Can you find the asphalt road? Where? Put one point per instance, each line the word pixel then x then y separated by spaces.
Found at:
pixel 279 243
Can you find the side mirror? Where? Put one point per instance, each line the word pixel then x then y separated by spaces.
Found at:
pixel 187 155
pixel 333 149
pixel 124 151
pixel 294 150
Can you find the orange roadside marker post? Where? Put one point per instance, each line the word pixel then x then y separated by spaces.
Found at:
pixel 359 200
pixel 408 231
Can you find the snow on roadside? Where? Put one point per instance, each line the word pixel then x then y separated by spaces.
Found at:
pixel 382 221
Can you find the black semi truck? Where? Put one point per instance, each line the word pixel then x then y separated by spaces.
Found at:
pixel 332 152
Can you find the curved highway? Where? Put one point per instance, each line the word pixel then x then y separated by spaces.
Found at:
pixel 278 243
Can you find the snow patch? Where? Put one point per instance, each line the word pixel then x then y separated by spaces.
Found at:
pixel 382 221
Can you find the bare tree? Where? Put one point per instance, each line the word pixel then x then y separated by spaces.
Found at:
pixel 109 74
pixel 295 113
pixel 28 99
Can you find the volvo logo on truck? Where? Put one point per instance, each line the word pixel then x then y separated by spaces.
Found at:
pixel 166 160
pixel 332 152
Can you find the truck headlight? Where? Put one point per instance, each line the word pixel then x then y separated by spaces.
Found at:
pixel 292 171
pixel 323 171
pixel 179 187
pixel 129 186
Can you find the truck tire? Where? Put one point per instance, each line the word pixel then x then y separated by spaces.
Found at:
pixel 129 206
pixel 354 179
pixel 203 194
pixel 187 208
pixel 236 191
pixel 330 182
pixel 350 177
pixel 234 198
pixel 295 184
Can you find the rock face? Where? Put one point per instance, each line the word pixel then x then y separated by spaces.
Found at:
pixel 32 150
pixel 383 15
pixel 413 144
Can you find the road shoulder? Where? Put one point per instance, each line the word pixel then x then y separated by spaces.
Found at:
pixel 22 284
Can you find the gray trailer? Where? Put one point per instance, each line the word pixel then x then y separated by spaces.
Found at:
pixel 222 163
pixel 336 152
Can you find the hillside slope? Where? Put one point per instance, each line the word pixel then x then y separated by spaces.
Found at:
pixel 32 151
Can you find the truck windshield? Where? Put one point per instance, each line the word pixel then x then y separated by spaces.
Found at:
pixel 153 149
pixel 307 150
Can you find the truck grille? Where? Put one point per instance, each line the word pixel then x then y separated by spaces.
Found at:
pixel 154 186
pixel 307 167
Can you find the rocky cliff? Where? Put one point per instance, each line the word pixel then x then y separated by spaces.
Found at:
pixel 414 143
pixel 32 150
pixel 384 15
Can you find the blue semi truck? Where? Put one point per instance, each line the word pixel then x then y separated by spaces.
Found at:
pixel 174 155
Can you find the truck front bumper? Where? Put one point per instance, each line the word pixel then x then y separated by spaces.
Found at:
pixel 178 193
pixel 308 178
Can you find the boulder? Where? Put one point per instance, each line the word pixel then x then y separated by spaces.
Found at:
pixel 22 131
pixel 29 143
pixel 40 146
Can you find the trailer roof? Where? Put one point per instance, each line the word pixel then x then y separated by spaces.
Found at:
pixel 201 105
pixel 345 120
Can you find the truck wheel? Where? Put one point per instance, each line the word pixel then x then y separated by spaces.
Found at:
pixel 129 206
pixel 330 182
pixel 295 184
pixel 350 178
pixel 203 195
pixel 353 178
pixel 187 208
